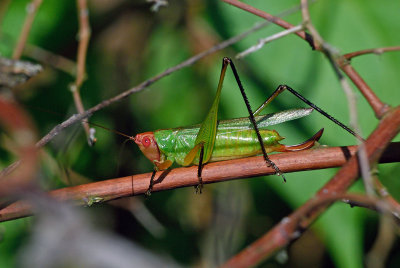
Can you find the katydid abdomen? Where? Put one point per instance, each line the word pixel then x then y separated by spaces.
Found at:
pixel 176 144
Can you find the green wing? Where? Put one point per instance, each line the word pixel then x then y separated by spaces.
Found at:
pixel 263 121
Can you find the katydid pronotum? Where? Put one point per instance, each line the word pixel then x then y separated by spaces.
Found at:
pixel 216 141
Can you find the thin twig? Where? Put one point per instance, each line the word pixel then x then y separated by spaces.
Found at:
pixel 84 36
pixel 271 18
pixel 376 104
pixel 289 229
pixel 271 38
pixel 213 172
pixel 47 57
pixel 31 10
pixel 383 244
pixel 378 107
pixel 384 194
pixel 377 51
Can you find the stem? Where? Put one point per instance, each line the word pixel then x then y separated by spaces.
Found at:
pixel 32 9
pixel 84 36
pixel 377 51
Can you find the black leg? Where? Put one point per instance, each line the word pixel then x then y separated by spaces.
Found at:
pixel 148 192
pixel 282 88
pixel 199 187
pixel 253 121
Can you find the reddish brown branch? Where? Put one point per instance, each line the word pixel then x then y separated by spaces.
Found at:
pixel 377 51
pixel 276 20
pixel 376 104
pixel 213 172
pixel 32 9
pixel 283 233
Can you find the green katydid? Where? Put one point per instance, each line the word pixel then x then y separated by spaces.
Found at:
pixel 216 141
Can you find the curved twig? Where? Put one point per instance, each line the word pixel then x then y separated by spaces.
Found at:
pixel 377 51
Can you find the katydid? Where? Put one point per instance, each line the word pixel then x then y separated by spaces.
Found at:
pixel 235 138
pixel 216 141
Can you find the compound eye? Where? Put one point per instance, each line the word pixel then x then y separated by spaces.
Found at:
pixel 146 141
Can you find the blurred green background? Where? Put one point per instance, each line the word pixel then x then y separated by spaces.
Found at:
pixel 129 44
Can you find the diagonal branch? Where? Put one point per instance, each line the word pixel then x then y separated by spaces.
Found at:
pixel 289 229
pixel 276 20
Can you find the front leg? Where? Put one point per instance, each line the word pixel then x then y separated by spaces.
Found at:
pixel 157 166
pixel 150 188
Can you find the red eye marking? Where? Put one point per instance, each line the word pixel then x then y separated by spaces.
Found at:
pixel 146 141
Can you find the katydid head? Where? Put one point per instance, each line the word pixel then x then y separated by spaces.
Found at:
pixel 148 145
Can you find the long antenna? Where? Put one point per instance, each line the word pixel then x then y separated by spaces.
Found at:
pixel 90 123
pixel 112 130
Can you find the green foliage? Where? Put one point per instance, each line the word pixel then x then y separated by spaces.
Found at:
pixel 130 44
